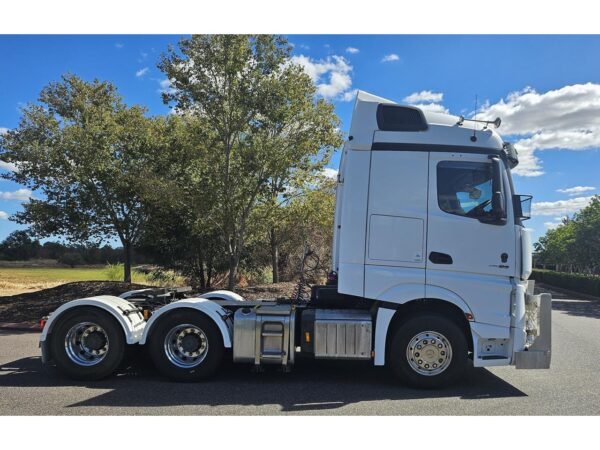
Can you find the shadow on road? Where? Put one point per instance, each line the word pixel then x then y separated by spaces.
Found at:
pixel 572 303
pixel 312 385
pixel 581 308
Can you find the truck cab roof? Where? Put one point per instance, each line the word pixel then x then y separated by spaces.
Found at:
pixel 381 124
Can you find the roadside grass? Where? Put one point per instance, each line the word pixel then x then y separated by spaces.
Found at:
pixel 18 280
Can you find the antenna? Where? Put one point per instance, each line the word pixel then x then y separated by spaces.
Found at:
pixel 496 122
pixel 474 137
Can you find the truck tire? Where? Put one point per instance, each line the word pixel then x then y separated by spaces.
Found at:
pixel 428 350
pixel 186 346
pixel 87 343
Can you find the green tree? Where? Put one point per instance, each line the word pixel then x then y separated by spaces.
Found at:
pixel 260 124
pixel 587 235
pixel 88 153
pixel 557 246
pixel 19 246
pixel 575 243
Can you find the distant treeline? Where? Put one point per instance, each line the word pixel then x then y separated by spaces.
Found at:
pixel 19 246
pixel 574 245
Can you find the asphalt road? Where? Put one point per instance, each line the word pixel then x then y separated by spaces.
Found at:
pixel 570 387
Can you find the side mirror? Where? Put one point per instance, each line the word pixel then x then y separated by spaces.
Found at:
pixel 498 205
pixel 498 216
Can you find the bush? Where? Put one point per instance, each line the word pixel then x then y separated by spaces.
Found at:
pixel 71 259
pixel 586 284
pixel 114 272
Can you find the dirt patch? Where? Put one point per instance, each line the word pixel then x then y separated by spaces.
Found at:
pixel 32 306
pixel 266 291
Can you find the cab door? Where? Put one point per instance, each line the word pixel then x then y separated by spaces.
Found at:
pixel 468 252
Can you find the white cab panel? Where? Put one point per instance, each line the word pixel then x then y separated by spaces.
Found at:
pixel 397 208
pixel 353 223
pixel 483 255
pixel 395 259
pixel 387 239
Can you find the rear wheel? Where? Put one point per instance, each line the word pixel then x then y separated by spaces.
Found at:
pixel 186 346
pixel 87 344
pixel 428 351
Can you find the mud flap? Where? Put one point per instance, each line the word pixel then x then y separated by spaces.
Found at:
pixel 539 327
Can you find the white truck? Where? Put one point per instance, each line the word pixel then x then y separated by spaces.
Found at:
pixel 429 272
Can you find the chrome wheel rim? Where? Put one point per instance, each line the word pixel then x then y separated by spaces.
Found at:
pixel 186 345
pixel 429 353
pixel 86 344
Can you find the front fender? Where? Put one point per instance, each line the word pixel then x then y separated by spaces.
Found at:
pixel 401 295
pixel 211 309
pixel 128 316
pixel 404 293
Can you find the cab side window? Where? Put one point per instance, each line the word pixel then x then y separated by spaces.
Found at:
pixel 465 188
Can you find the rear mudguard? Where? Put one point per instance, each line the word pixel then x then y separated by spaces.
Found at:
pixel 129 317
pixel 223 295
pixel 218 314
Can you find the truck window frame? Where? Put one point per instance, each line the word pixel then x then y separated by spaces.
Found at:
pixel 453 164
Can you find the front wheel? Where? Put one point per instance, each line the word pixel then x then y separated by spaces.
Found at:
pixel 428 351
pixel 186 346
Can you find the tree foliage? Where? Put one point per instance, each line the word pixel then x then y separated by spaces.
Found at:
pixel 261 123
pixel 232 180
pixel 575 244
pixel 87 153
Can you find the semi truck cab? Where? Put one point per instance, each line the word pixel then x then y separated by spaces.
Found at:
pixel 430 272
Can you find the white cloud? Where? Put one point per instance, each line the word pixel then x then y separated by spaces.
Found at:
pixel 424 96
pixel 350 95
pixel 11 167
pixel 119 45
pixel 576 190
pixel 141 72
pixel 19 194
pixel 556 222
pixel 165 86
pixel 427 101
pixel 330 173
pixel 432 107
pixel 352 50
pixel 560 207
pixel 566 118
pixel 3 130
pixel 331 75
pixel 3 215
pixel 390 57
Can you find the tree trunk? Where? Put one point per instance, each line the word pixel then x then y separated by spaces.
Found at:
pixel 274 255
pixel 201 273
pixel 234 261
pixel 127 265
pixel 209 272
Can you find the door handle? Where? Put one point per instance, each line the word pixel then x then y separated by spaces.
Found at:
pixel 440 258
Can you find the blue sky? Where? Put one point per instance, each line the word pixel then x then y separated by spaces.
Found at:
pixel 545 88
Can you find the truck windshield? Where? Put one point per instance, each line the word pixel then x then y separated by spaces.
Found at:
pixel 465 188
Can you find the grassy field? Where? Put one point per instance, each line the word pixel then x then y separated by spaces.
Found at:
pixel 18 280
